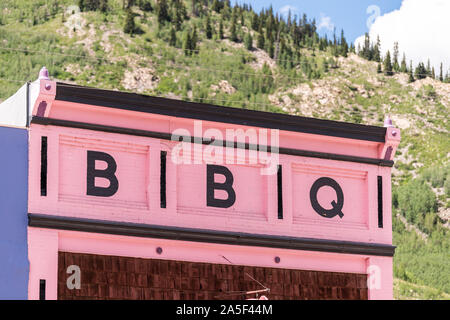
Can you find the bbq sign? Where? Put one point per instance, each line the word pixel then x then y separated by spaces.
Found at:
pixel 135 179
pixel 226 186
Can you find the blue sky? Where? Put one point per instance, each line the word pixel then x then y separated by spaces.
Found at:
pixel 350 15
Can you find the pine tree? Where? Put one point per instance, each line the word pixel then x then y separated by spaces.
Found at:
pixel 162 11
pixel 127 4
pixel 187 44
pixel 403 67
pixel 221 35
pixel 344 45
pixel 194 39
pixel 367 50
pixel 225 11
pixel 103 6
pixel 179 14
pixel 376 51
pixel 130 26
pixel 173 37
pixel 379 68
pixel 441 76
pixel 428 68
pixel 395 64
pixel 255 21
pixel 249 41
pixel 261 39
pixel 421 71
pixel 270 48
pixel 81 5
pixel 388 64
pixel 411 76
pixel 194 8
pixel 208 28
pixel 216 6
pixel 233 36
pixel 145 5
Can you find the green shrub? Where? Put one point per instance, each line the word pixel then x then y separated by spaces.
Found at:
pixel 415 199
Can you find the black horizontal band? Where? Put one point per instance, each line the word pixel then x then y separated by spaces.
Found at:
pixel 208 236
pixel 168 136
pixel 208 112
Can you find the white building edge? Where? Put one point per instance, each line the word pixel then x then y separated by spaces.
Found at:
pixel 16 110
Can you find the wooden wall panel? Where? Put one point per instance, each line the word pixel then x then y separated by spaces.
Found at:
pixel 113 277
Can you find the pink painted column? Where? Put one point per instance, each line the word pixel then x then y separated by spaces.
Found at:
pixel 43 256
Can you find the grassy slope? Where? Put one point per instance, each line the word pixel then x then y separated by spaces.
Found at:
pixel 102 56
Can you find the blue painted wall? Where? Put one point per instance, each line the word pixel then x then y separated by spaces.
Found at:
pixel 14 266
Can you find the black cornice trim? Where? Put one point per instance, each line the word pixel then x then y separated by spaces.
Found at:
pixel 208 236
pixel 208 112
pixel 168 136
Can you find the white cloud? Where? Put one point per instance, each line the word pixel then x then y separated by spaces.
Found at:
pixel 325 23
pixel 421 29
pixel 284 11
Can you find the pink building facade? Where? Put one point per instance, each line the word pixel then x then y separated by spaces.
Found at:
pixel 126 175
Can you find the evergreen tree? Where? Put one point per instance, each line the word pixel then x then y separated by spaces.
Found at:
pixel 395 64
pixel 261 39
pixel 81 5
pixel 194 39
pixel 221 35
pixel 217 5
pixel 403 67
pixel 225 11
pixel 367 50
pixel 388 64
pixel 145 5
pixel 441 77
pixel 270 48
pixel 411 76
pixel 173 37
pixel 428 68
pixel 194 8
pixel 376 50
pixel 178 13
pixel 187 44
pixel 130 26
pixel 343 44
pixel 208 28
pixel 379 68
pixel 255 21
pixel 325 66
pixel 162 11
pixel 322 44
pixel 421 71
pixel 249 41
pixel 127 4
pixel 233 36
pixel 93 5
pixel 103 5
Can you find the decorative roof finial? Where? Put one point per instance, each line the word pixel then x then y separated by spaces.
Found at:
pixel 388 122
pixel 43 74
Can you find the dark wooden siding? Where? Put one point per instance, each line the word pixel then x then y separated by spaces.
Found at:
pixel 111 277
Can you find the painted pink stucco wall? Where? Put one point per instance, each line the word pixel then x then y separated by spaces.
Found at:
pixel 44 245
pixel 255 210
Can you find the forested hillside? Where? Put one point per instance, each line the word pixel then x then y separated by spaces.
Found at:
pixel 215 52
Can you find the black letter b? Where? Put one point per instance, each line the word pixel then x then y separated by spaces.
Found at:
pixel 108 173
pixel 227 186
